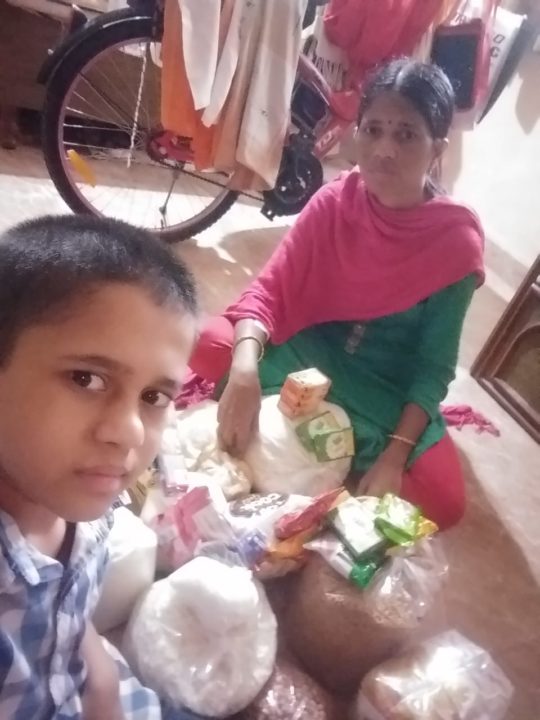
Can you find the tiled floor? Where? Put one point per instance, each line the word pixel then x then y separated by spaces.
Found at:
pixel 493 593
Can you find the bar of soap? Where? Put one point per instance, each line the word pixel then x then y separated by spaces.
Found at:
pixel 320 425
pixel 353 521
pixel 334 445
pixel 302 392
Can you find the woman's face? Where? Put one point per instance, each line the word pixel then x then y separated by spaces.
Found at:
pixel 395 150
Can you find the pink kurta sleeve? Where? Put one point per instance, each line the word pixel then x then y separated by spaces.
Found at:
pixel 275 297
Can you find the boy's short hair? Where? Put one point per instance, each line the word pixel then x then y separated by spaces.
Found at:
pixel 48 262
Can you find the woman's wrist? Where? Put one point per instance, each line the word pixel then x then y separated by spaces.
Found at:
pixel 245 359
pixel 397 453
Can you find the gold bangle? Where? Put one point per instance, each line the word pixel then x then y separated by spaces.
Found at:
pixel 402 439
pixel 250 337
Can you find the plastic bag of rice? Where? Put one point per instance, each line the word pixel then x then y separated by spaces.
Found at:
pixel 446 678
pixel 340 632
pixel 292 695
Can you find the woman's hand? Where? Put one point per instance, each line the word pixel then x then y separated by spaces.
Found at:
pixel 238 412
pixel 384 476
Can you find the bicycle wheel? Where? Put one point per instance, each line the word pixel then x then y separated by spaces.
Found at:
pixel 102 138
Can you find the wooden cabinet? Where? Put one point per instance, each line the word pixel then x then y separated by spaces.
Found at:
pixel 508 366
pixel 25 39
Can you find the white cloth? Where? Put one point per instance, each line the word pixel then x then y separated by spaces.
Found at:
pixel 200 38
pixel 267 112
pixel 228 61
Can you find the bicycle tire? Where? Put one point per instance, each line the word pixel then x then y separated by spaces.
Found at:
pixel 96 37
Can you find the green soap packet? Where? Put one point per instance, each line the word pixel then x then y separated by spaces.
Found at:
pixel 320 425
pixel 334 445
pixel 397 519
pixel 353 521
pixel 333 550
pixel 363 573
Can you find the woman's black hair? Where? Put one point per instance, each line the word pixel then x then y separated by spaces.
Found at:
pixel 425 86
pixel 50 262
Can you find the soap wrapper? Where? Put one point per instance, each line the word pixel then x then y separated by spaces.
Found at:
pixel 353 521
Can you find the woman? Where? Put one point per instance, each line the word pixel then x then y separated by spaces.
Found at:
pixel 371 286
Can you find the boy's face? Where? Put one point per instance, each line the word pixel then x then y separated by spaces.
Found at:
pixel 84 400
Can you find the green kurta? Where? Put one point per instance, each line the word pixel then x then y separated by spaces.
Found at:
pixel 378 367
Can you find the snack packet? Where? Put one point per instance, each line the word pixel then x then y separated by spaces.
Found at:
pixel 189 522
pixel 309 518
pixel 254 519
pixel 397 519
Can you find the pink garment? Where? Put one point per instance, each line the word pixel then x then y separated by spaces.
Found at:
pixel 372 31
pixel 460 415
pixel 350 258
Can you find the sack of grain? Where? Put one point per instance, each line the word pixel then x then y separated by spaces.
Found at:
pixel 292 695
pixel 340 632
pixel 446 678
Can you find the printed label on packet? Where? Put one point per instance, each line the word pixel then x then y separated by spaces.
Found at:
pixel 320 425
pixel 335 445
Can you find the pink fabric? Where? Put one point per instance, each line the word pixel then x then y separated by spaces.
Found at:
pixel 349 258
pixel 435 483
pixel 460 415
pixel 372 31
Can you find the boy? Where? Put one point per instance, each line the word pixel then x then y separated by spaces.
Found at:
pixel 97 322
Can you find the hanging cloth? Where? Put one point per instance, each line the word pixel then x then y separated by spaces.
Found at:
pixel 372 31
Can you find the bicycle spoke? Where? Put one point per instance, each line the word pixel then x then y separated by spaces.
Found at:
pixel 107 116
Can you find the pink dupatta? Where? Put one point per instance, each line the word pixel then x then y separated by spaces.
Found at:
pixel 349 258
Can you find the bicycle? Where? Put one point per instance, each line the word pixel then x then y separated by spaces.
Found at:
pixel 107 154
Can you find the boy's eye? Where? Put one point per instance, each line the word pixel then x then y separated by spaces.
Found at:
pixel 156 398
pixel 88 380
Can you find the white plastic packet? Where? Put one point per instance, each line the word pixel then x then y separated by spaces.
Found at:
pixel 204 638
pixel 278 461
pixel 192 434
pixel 130 571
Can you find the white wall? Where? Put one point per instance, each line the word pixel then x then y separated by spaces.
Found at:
pixel 496 167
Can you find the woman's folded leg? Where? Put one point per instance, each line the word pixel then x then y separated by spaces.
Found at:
pixel 212 356
pixel 435 483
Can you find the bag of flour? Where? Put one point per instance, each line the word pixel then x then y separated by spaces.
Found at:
pixel 204 638
pixel 280 463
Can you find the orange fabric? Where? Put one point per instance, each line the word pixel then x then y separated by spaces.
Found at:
pixel 177 110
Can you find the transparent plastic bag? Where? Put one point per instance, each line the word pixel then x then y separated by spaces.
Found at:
pixel 292 695
pixel 340 632
pixel 403 591
pixel 446 678
pixel 204 638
